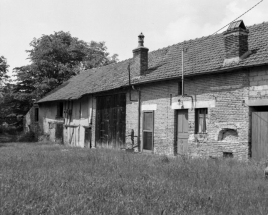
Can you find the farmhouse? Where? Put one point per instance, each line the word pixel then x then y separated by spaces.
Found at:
pixel 202 97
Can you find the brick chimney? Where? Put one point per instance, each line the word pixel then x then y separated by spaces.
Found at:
pixel 236 42
pixel 140 56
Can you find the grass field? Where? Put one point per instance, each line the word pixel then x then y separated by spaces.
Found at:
pixel 50 179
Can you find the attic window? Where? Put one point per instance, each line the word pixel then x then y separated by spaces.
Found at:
pixel 236 24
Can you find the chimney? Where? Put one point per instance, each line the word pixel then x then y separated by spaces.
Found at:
pixel 140 56
pixel 235 42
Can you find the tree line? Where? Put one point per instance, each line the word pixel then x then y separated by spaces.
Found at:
pixel 54 59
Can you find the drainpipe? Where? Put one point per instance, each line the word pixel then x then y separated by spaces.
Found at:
pixel 182 72
pixel 182 78
pixel 79 128
pixel 139 121
pixel 139 106
pixel 139 117
pixel 129 84
pixel 91 122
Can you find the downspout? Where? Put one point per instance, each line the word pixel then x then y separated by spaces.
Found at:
pixel 91 110
pixel 182 72
pixel 182 79
pixel 139 117
pixel 91 122
pixel 80 113
pixel 139 106
pixel 129 84
pixel 139 120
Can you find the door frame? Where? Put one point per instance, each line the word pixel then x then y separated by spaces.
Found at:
pixel 145 150
pixel 176 112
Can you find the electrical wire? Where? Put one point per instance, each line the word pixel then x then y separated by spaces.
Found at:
pixel 238 17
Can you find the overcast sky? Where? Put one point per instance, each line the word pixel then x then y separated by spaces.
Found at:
pixel 117 22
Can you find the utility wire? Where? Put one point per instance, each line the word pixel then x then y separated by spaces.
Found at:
pixel 238 17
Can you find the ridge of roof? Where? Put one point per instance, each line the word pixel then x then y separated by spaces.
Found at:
pixel 205 55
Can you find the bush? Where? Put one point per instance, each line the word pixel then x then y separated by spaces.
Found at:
pixel 10 130
pixel 28 137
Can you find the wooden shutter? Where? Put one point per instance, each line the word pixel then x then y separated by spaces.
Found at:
pixel 148 130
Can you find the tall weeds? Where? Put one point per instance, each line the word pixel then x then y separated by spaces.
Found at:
pixel 47 179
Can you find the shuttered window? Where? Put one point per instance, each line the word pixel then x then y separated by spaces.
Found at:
pixel 201 120
pixel 148 129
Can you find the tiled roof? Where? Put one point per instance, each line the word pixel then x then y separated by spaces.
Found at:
pixel 204 55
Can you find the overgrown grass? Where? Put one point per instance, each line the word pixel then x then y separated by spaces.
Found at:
pixel 49 179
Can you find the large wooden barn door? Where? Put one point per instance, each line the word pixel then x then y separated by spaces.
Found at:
pixel 182 131
pixel 259 140
pixel 111 119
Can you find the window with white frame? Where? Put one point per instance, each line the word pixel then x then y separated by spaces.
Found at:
pixel 201 120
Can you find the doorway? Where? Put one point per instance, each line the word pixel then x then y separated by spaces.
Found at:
pixel 181 145
pixel 259 133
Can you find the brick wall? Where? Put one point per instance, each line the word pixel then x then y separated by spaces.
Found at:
pixel 258 81
pixel 227 90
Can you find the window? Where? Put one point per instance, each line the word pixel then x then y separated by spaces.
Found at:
pixel 148 127
pixel 60 109
pixel 201 120
pixel 36 114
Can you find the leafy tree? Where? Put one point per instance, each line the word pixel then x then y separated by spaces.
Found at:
pixel 56 58
pixel 3 69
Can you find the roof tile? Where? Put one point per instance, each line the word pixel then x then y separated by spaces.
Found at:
pixel 204 55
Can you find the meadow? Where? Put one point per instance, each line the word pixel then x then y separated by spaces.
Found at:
pixel 51 179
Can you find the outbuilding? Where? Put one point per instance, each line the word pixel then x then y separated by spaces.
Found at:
pixel 202 97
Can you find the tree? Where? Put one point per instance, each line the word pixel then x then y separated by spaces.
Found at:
pixel 3 69
pixel 57 57
pixel 54 59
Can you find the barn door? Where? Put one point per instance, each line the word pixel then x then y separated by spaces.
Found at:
pixel 182 131
pixel 111 118
pixel 259 140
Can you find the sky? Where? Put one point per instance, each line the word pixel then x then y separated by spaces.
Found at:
pixel 118 23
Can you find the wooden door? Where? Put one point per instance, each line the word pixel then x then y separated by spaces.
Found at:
pixel 182 131
pixel 259 140
pixel 111 119
pixel 148 130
